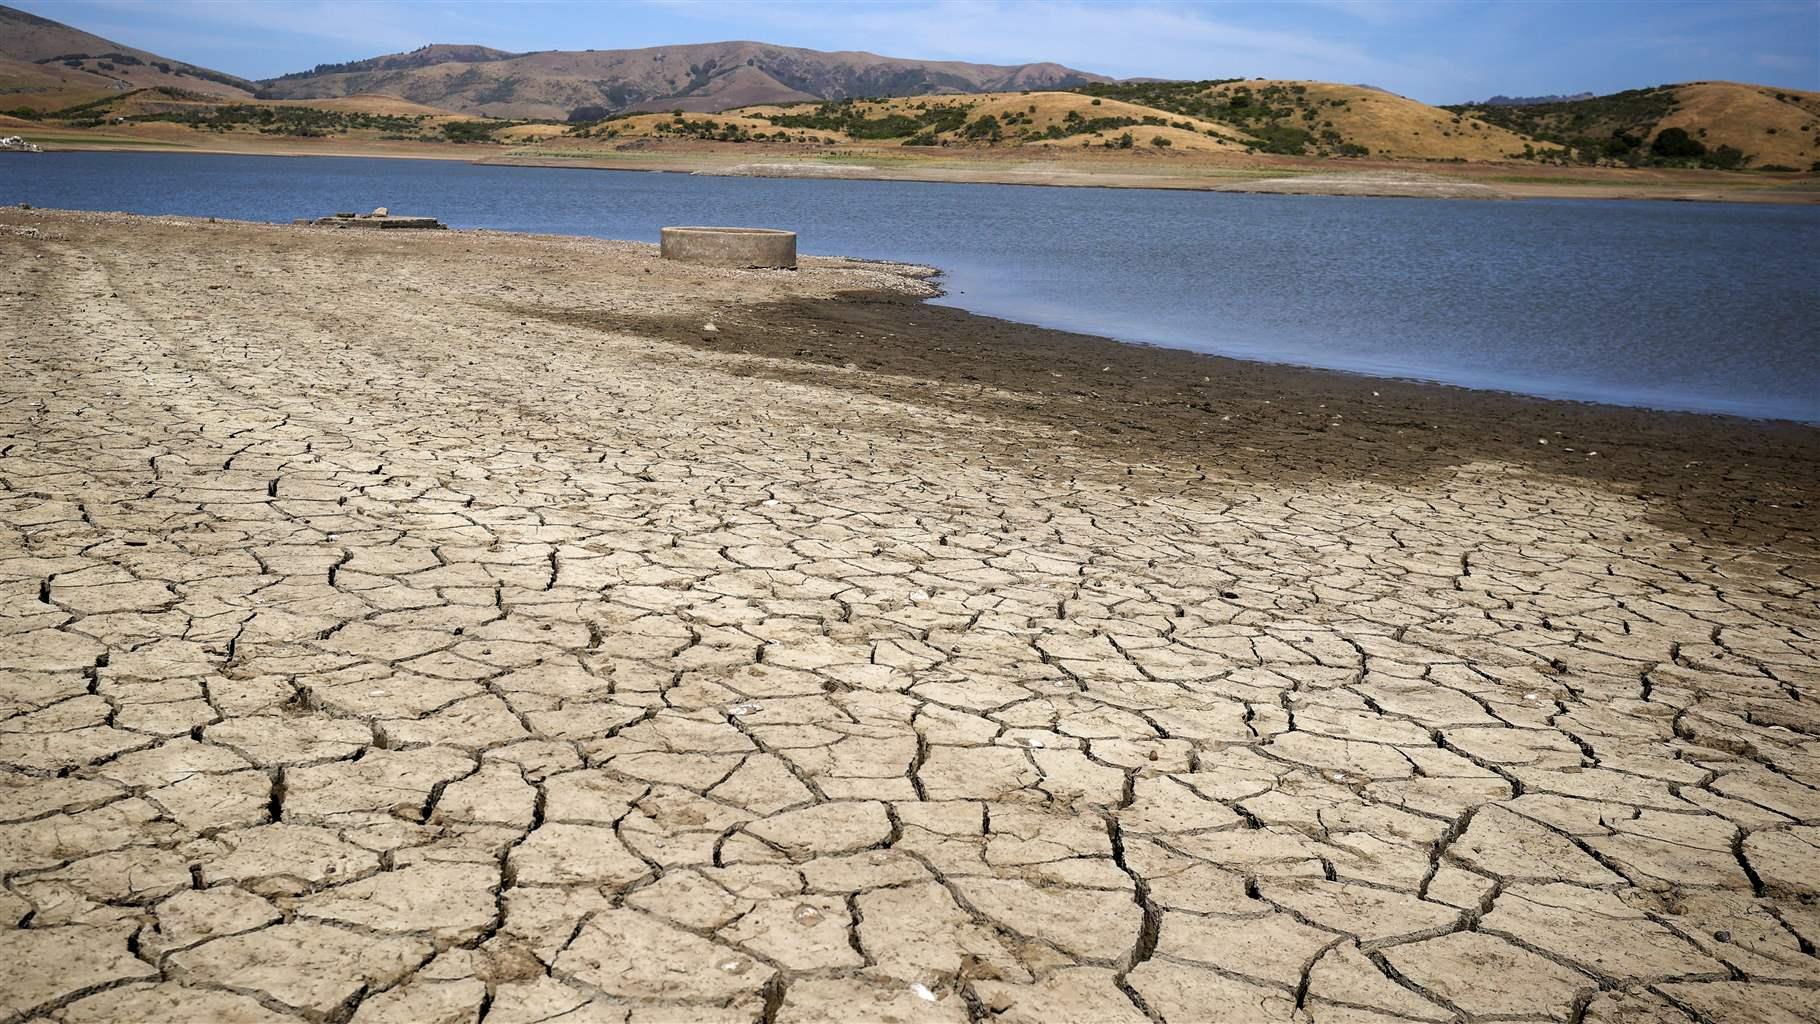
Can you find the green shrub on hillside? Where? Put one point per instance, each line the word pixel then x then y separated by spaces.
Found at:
pixel 301 121
pixel 471 131
pixel 986 128
pixel 1282 139
pixel 1187 98
pixel 1274 114
pixel 1675 142
pixel 1607 129
pixel 845 117
pixel 1728 158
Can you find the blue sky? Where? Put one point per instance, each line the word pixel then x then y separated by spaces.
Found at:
pixel 1440 51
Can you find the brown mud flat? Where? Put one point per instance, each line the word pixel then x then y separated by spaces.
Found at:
pixel 1752 480
pixel 398 627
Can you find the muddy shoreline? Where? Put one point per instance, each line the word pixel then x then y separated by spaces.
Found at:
pixel 1754 480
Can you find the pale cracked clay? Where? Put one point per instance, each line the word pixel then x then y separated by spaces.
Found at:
pixel 446 629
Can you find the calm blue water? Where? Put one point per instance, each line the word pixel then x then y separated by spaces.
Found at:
pixel 1701 306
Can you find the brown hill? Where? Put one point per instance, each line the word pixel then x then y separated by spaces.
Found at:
pixel 699 77
pixel 1281 117
pixel 1379 122
pixel 28 86
pixel 369 103
pixel 1303 118
pixel 1039 118
pixel 1770 126
pixel 46 65
pixel 422 57
pixel 1735 123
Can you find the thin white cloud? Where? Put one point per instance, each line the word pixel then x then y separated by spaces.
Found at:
pixel 383 26
pixel 1783 62
pixel 1379 12
pixel 1157 39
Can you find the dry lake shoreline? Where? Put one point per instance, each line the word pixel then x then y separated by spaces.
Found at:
pixel 400 626
pixel 1404 179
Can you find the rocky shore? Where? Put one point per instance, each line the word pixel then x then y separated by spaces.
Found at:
pixel 406 626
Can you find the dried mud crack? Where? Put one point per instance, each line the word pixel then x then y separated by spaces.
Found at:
pixel 449 629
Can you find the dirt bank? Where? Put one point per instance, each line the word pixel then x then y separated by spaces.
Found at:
pixel 1088 168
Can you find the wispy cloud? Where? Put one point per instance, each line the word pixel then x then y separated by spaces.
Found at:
pixel 1173 40
pixel 1783 62
pixel 382 25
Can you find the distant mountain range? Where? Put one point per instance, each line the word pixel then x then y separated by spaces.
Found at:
pixel 1530 101
pixel 695 77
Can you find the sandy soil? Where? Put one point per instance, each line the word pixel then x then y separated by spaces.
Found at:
pixel 1147 169
pixel 448 626
pixel 1403 184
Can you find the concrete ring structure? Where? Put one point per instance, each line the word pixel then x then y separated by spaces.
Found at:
pixel 731 247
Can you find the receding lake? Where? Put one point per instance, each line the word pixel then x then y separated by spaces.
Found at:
pixel 1700 306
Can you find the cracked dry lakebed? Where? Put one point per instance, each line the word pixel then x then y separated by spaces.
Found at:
pixel 450 628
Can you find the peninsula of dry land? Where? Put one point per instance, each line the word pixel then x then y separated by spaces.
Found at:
pixel 450 626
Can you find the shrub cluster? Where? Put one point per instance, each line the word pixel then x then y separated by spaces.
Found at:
pixel 1614 129
pixel 284 120
pixel 846 117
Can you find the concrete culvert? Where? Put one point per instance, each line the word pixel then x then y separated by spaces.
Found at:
pixel 731 247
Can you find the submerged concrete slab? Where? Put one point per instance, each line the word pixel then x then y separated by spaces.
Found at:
pixel 376 219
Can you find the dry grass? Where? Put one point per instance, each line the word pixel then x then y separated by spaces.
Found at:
pixel 528 133
pixel 1042 111
pixel 1386 124
pixel 647 125
pixel 1750 118
pixel 1396 126
pixel 1053 108
pixel 44 87
pixel 372 103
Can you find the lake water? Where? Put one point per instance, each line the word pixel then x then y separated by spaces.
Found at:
pixel 1701 306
